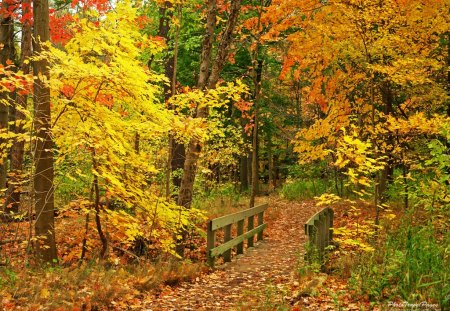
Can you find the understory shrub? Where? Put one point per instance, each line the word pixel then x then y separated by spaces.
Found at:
pixel 305 189
pixel 413 265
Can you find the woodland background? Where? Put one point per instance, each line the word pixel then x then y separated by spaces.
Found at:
pixel 125 125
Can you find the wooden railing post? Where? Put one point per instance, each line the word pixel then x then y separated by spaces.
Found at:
pixel 317 233
pixel 330 225
pixel 227 237
pixel 319 229
pixel 211 243
pixel 240 231
pixel 251 225
pixel 260 222
pixel 323 233
pixel 226 222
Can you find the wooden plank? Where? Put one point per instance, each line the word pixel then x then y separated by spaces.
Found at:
pixel 317 215
pixel 330 228
pixel 250 226
pixel 228 245
pixel 260 222
pixel 223 221
pixel 227 237
pixel 312 219
pixel 317 233
pixel 211 243
pixel 322 231
pixel 240 231
pixel 326 228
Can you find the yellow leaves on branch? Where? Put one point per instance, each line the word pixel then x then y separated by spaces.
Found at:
pixel 185 105
pixel 358 157
pixel 105 104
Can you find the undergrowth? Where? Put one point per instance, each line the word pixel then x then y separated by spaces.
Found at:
pixel 412 265
pixel 304 189
pixel 93 286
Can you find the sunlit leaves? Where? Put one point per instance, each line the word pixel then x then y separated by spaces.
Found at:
pixel 105 100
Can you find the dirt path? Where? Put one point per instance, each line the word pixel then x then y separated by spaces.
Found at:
pixel 259 277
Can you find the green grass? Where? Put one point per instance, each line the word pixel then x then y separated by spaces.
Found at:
pixel 221 200
pixel 305 189
pixel 412 265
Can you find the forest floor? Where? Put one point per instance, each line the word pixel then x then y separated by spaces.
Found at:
pixel 270 276
pixel 263 278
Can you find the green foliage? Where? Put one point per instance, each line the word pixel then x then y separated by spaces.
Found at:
pixel 305 189
pixel 413 264
pixel 71 178
pixel 220 200
pixel 311 263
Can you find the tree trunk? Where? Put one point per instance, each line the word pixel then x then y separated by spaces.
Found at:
pixel 270 160
pixel 98 222
pixel 275 171
pixel 43 187
pixel 209 80
pixel 7 54
pixel 17 151
pixel 386 175
pixel 243 173
pixel 255 171
pixel 176 153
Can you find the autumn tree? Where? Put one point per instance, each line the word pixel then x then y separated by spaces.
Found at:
pixel 208 78
pixel 7 57
pixel 43 187
pixel 18 117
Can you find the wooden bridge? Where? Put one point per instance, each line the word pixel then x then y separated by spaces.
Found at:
pixel 244 282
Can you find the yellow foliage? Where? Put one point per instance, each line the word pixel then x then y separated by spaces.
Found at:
pixel 104 101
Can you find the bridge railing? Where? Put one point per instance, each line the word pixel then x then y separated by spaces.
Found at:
pixel 226 222
pixel 319 229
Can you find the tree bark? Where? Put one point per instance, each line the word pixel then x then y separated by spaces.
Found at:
pixel 12 202
pixel 255 171
pixel 270 160
pixel 386 175
pixel 176 155
pixel 209 80
pixel 243 173
pixel 43 187
pixel 7 53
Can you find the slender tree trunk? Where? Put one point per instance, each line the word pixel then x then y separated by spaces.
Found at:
pixel 249 167
pixel 194 148
pixel 255 172
pixel 98 222
pixel 257 74
pixel 43 187
pixel 12 202
pixel 17 150
pixel 270 160
pixel 176 154
pixel 243 173
pixel 386 175
pixel 7 54
pixel 208 80
pixel 275 171
pixel 243 161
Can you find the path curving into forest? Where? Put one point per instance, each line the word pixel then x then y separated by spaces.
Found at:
pixel 259 277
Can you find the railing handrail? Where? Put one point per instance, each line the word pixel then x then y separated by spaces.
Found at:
pixel 226 222
pixel 319 229
pixel 316 216
pixel 223 221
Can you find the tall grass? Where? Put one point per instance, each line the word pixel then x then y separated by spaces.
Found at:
pixel 222 200
pixel 305 189
pixel 412 265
